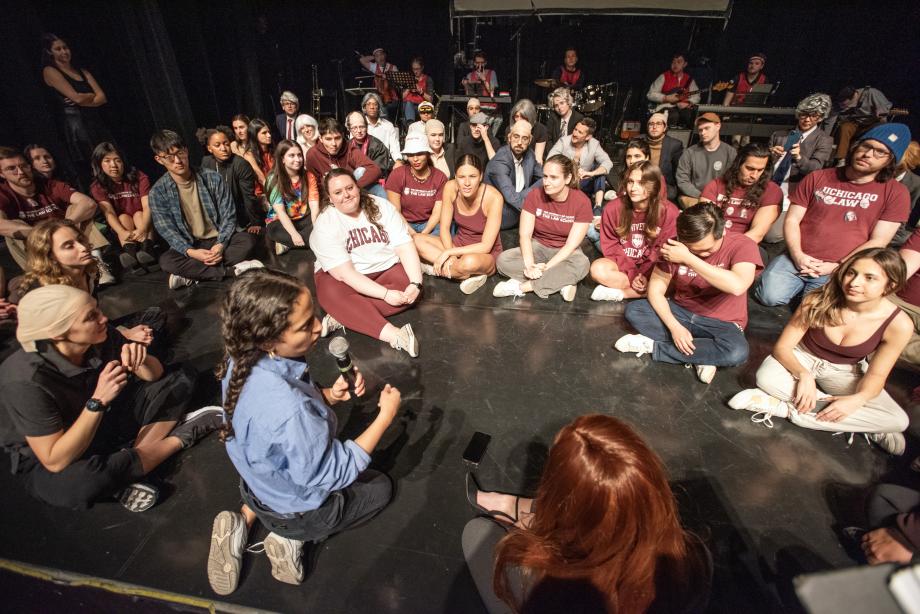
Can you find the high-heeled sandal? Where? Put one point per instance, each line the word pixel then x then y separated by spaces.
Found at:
pixel 473 487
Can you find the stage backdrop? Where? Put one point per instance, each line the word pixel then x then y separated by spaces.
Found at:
pixel 698 8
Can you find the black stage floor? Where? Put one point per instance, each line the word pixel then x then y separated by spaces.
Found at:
pixel 768 500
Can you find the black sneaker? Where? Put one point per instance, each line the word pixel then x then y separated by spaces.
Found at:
pixel 138 497
pixel 198 424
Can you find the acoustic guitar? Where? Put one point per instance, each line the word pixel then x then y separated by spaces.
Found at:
pixel 685 94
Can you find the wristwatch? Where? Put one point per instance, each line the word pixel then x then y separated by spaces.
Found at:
pixel 417 284
pixel 95 405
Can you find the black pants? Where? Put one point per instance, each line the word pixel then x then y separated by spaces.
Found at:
pixel 278 234
pixel 480 537
pixel 360 501
pixel 109 465
pixel 238 249
pixel 889 500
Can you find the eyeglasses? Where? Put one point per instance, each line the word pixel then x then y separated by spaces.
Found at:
pixel 172 157
pixel 877 152
pixel 656 123
pixel 479 63
pixel 20 169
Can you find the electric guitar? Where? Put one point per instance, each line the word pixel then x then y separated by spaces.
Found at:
pixel 685 94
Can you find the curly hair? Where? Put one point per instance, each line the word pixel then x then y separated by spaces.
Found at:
pixel 42 268
pixel 255 312
pixel 367 204
pixel 730 176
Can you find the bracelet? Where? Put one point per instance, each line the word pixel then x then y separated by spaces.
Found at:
pixel 385 292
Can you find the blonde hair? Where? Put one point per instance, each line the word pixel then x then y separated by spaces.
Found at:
pixel 42 268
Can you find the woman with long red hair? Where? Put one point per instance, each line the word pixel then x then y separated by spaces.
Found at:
pixel 601 534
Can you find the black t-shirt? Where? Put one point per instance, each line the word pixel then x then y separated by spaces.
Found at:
pixel 42 392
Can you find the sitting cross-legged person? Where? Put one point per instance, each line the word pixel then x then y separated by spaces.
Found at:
pixel 908 298
pixel 237 173
pixel 514 170
pixel 416 187
pixel 193 212
pixel 87 413
pixel 589 156
pixel 634 227
pixel 475 209
pixel 554 222
pixel 703 322
pixel 837 212
pixel 820 375
pixel 333 151
pixel 367 268
pixel 290 189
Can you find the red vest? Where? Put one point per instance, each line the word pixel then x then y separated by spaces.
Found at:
pixel 421 85
pixel 570 77
pixel 672 83
pixel 386 91
pixel 481 87
pixel 743 86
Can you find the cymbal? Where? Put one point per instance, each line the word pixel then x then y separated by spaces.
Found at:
pixel 359 91
pixel 548 83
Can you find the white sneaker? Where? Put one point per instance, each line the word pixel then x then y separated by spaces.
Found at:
pixel 245 265
pixel 105 273
pixel 893 443
pixel 509 287
pixel 406 340
pixel 428 269
pixel 640 344
pixel 286 557
pixel 568 292
pixel 764 406
pixel 705 373
pixel 281 249
pixel 471 284
pixel 603 293
pixel 177 281
pixel 330 325
pixel 228 539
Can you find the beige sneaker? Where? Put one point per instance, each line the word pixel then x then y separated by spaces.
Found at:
pixel 705 373
pixel 406 340
pixel 228 539
pixel 471 284
pixel 286 557
pixel 568 293
pixel 893 443
pixel 330 325
pixel 281 249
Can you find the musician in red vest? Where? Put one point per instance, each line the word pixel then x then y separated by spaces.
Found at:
pixel 568 74
pixel 422 92
pixel 673 87
pixel 377 64
pixel 481 82
pixel 745 81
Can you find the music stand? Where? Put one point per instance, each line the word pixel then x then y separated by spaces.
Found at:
pixel 758 95
pixel 401 81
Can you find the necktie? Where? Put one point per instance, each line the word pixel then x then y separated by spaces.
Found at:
pixel 562 126
pixel 290 129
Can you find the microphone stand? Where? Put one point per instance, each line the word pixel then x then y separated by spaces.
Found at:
pixel 516 37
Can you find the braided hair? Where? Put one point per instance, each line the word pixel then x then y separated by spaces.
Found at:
pixel 254 313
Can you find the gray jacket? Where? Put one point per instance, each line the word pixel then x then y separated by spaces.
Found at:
pixel 592 154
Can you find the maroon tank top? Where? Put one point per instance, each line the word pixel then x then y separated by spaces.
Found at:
pixel 816 342
pixel 470 227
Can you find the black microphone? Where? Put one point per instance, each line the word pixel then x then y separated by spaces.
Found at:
pixel 338 347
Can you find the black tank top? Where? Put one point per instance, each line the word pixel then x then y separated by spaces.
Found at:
pixel 80 87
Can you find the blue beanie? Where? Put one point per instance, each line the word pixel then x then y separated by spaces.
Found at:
pixel 896 137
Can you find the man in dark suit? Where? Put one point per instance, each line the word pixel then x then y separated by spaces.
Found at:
pixel 284 122
pixel 514 170
pixel 811 151
pixel 566 116
pixel 665 150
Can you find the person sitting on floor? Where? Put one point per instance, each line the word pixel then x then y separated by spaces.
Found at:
pixel 193 212
pixel 290 190
pixel 237 174
pixel 514 170
pixel 262 143
pixel 300 482
pixel 333 151
pixel 415 188
pixel 69 405
pixel 703 322
pixel 554 221
pixel 307 132
pixel 370 146
pixel 701 163
pixel 480 141
pixel 367 268
pixel 122 196
pixel 26 200
pixel 664 150
pixel 569 545
pixel 633 229
pixel 476 210
pixel 46 167
pixel 837 212
pixel 893 512
pixel 908 298
pixel 750 202
pixel 592 161
pixel 443 155
pixel 819 376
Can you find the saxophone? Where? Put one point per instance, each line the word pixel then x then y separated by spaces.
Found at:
pixel 317 93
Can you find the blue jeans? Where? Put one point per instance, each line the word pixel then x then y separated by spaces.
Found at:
pixel 594 235
pixel 420 226
pixel 781 283
pixel 717 343
pixel 593 185
pixel 376 189
pixel 410 111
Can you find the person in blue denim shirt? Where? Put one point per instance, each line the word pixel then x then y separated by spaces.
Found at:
pixel 296 478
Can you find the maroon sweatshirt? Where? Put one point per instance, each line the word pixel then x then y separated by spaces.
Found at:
pixel 319 162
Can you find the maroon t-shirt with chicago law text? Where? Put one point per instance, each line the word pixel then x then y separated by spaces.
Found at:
pixel 124 196
pixel 555 219
pixel 634 253
pixel 841 214
pixel 737 210
pixel 416 197
pixel 50 201
pixel 911 290
pixel 694 293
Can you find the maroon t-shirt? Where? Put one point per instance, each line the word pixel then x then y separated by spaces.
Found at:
pixel 125 197
pixel 840 215
pixel 694 293
pixel 738 210
pixel 634 253
pixel 51 199
pixel 555 219
pixel 416 197
pixel 911 290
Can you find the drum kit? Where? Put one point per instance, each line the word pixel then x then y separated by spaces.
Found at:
pixel 589 101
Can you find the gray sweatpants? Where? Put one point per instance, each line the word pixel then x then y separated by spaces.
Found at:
pixel 880 415
pixel 567 273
